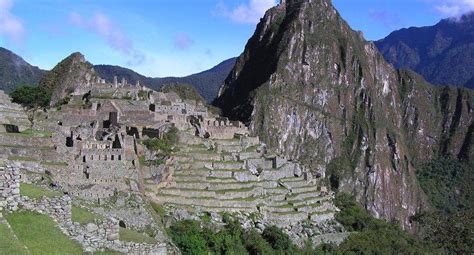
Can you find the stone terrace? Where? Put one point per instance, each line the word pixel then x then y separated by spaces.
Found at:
pixel 11 114
pixel 218 177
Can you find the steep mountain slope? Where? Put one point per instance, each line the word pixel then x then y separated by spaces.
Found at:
pixel 15 71
pixel 315 90
pixel 71 73
pixel 207 83
pixel 443 53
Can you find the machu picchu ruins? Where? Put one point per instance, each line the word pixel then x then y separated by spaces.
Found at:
pixel 246 127
pixel 94 150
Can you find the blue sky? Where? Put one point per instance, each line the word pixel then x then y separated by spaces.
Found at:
pixel 177 37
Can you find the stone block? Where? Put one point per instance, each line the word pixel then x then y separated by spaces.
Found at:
pixel 91 227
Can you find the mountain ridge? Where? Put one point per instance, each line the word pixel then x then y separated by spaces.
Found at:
pixel 206 82
pixel 15 71
pixel 442 53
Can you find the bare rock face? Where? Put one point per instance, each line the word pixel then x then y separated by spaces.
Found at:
pixel 72 73
pixel 315 90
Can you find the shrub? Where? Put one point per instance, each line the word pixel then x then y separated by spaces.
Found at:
pixel 191 238
pixel 448 184
pixel 255 244
pixel 277 239
pixel 373 236
pixel 352 215
pixel 187 236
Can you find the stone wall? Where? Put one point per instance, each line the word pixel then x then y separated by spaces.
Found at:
pixel 92 237
pixel 9 188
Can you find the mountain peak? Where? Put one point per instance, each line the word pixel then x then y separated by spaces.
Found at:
pixel 77 56
pixel 71 73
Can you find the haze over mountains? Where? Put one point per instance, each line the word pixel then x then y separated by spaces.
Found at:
pixel 15 71
pixel 443 53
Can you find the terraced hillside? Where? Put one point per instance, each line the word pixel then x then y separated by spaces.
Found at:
pixel 24 143
pixel 238 176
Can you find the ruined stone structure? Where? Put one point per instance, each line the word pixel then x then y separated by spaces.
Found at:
pixel 92 148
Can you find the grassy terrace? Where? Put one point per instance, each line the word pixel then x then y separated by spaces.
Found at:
pixel 35 192
pixel 317 199
pixel 84 216
pixel 129 235
pixel 20 158
pixel 296 194
pixel 246 199
pixel 221 191
pixel 209 208
pixel 18 146
pixel 292 179
pixel 31 159
pixel 40 235
pixel 9 244
pixel 31 133
pixel 210 178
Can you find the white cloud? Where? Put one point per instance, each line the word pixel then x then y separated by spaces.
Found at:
pixel 246 13
pixel 183 41
pixel 452 8
pixel 103 26
pixel 10 26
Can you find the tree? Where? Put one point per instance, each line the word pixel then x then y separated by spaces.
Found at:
pixel 31 97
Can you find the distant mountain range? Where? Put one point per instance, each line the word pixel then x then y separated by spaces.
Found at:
pixel 443 53
pixel 207 83
pixel 14 71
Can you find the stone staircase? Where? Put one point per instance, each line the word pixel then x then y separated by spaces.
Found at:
pixel 217 178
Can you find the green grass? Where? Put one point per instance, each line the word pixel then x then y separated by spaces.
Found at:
pixel 33 133
pixel 35 192
pixel 8 243
pixel 26 147
pixel 107 252
pixel 129 235
pixel 40 235
pixel 51 163
pixel 20 158
pixel 211 178
pixel 84 216
pixel 158 209
pixel 246 189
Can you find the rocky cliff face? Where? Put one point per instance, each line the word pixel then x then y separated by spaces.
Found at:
pixel 315 90
pixel 71 73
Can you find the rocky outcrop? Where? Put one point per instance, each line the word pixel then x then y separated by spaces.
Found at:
pixel 315 90
pixel 72 73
